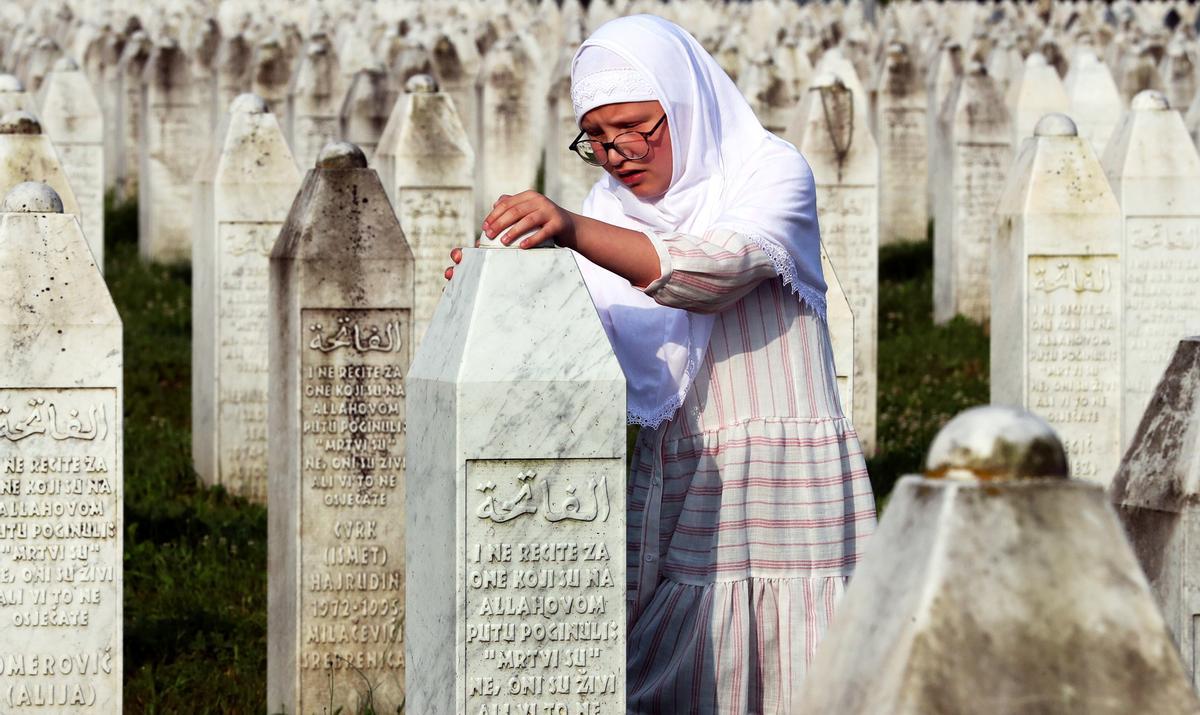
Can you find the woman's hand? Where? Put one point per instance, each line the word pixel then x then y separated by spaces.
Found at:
pixel 456 256
pixel 525 212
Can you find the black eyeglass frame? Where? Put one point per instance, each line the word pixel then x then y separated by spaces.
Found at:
pixel 607 146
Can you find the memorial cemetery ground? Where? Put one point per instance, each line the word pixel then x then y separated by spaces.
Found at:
pixel 196 558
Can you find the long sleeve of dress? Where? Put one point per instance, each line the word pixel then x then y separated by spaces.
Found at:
pixel 709 273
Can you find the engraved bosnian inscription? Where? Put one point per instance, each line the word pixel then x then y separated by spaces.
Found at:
pixel 353 364
pixel 83 164
pixel 1162 270
pixel 60 516
pixel 243 249
pixel 1074 353
pixel 545 587
pixel 980 173
pixel 903 169
pixel 435 220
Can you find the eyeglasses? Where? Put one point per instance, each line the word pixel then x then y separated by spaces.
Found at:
pixel 631 145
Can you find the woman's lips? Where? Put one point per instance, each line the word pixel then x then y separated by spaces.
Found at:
pixel 632 177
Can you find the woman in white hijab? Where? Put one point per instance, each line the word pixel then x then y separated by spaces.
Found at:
pixel 748 497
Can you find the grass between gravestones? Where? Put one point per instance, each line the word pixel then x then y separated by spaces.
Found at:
pixel 196 557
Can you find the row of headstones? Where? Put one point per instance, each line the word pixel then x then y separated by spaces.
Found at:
pixel 492 580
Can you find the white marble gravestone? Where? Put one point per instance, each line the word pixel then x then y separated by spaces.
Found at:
pixel 26 154
pixel 365 111
pixel 235 70
pixel 1154 171
pixel 1179 77
pixel 61 465
pixel 72 119
pixel 900 111
pixel 569 179
pixel 270 79
pixel 840 317
pixel 511 145
pixel 1093 99
pixel 428 167
pixel 1009 589
pixel 830 130
pixel 1056 296
pixel 13 96
pixel 1035 92
pixel 1156 492
pixel 172 141
pixel 131 73
pixel 455 61
pixel 315 101
pixel 242 196
pixel 341 296
pixel 977 151
pixel 516 513
pixel 941 77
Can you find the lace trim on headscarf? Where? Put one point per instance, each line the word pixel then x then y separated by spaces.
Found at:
pixel 652 420
pixel 626 84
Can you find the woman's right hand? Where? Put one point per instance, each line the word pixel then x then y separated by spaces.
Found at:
pixel 456 256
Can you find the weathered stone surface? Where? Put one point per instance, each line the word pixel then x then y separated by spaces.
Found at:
pixel 831 132
pixel 1056 296
pixel 973 623
pixel 428 167
pixel 365 111
pixel 516 525
pixel 1154 171
pixel 340 342
pixel 568 178
pixel 172 141
pixel 62 462
pixel 840 317
pixel 315 101
pixel 131 72
pixel 270 80
pixel 243 193
pixel 26 154
pixel 13 96
pixel 1094 101
pixel 71 117
pixel 1035 92
pixel 509 115
pixel 900 111
pixel 977 136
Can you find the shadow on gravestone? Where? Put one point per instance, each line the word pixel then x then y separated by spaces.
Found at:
pixel 1156 494
pixel 341 296
pixel 516 497
pixel 1009 588
pixel 61 427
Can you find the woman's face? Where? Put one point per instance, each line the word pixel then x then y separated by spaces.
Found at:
pixel 650 176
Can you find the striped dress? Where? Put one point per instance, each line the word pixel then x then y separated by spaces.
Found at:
pixel 750 507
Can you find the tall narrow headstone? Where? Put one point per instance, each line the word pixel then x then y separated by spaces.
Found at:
pixel 1056 296
pixel 270 79
pixel 1138 71
pixel 365 111
pixel 841 334
pixel 1156 492
pixel 428 167
pixel 515 517
pixel 71 117
pixel 1154 170
pixel 315 101
pixel 1179 77
pixel 131 73
pixel 940 80
pixel 978 150
pixel 173 139
pixel 243 193
pixel 1093 99
pixel 340 344
pixel 26 154
pixel 568 177
pixel 235 70
pixel 831 132
pixel 62 464
pixel 511 146
pixel 1035 92
pixel 1010 588
pixel 455 63
pixel 900 109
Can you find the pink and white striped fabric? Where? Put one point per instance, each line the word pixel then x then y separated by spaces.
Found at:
pixel 749 508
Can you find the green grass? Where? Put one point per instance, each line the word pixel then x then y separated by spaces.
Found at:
pixel 196 558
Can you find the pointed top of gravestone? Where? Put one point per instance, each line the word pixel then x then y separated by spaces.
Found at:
pixel 32 197
pixel 9 83
pixel 827 79
pixel 1150 100
pixel 995 442
pixel 421 83
pixel 341 155
pixel 19 122
pixel 66 64
pixel 1055 125
pixel 248 103
pixel 1035 59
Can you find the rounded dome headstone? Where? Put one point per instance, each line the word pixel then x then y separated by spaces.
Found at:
pixel 1149 99
pixel 421 84
pixel 341 155
pixel 1055 125
pixel 32 197
pixel 248 103
pixel 995 442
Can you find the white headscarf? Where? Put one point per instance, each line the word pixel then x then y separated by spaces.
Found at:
pixel 727 171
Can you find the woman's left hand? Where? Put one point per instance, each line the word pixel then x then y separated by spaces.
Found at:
pixel 525 212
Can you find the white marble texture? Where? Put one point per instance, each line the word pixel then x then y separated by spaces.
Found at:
pixel 61 451
pixel 243 193
pixel 831 132
pixel 428 168
pixel 13 96
pixel 1093 99
pixel 1034 92
pixel 71 117
pixel 900 127
pixel 128 124
pixel 366 108
pixel 569 179
pixel 315 101
pixel 341 296
pixel 511 145
pixel 1056 296
pixel 495 411
pixel 26 154
pixel 1154 171
pixel 840 317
